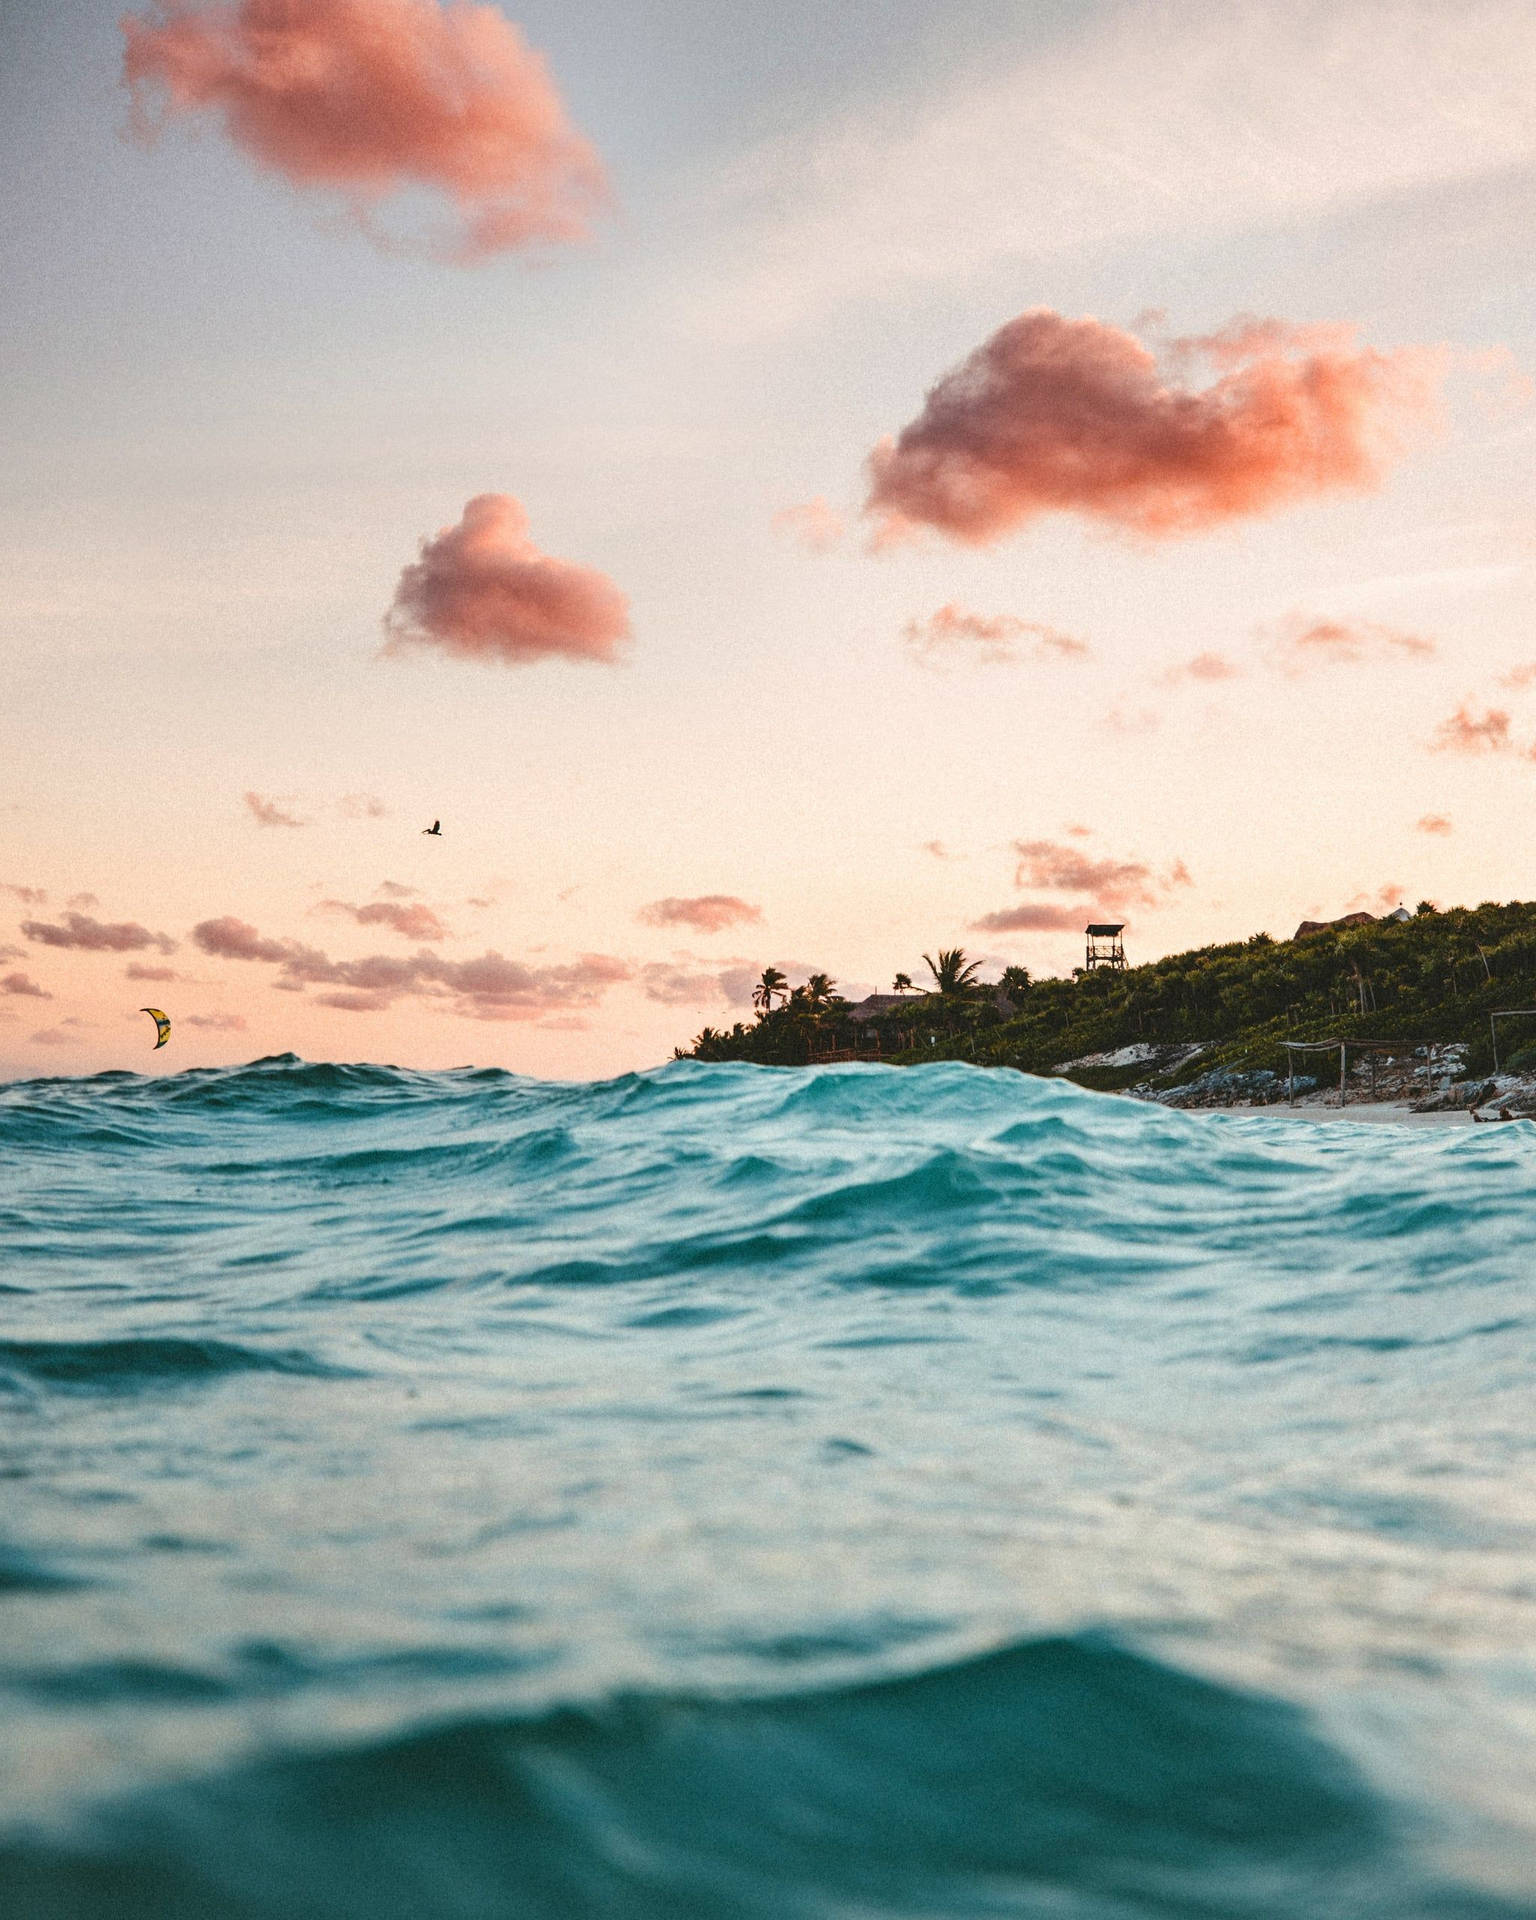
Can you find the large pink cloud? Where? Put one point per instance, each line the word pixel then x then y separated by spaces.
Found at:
pixel 1053 415
pixel 230 939
pixel 85 935
pixel 483 591
pixel 704 912
pixel 367 98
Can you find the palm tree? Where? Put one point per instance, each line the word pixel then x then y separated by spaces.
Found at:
pixel 953 974
pixel 1015 983
pixel 820 990
pixel 773 986
pixel 902 983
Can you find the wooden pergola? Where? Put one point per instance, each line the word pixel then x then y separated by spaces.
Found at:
pixel 1374 1048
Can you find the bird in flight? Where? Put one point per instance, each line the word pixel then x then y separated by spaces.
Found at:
pixel 435 828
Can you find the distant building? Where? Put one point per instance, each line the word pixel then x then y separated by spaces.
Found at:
pixel 1105 947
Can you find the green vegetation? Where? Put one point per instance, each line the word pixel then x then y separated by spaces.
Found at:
pixel 1433 978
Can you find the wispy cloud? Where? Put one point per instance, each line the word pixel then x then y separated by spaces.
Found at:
pixel 85 935
pixel 1303 641
pixel 1261 116
pixel 1433 823
pixel 815 525
pixel 214 1022
pixel 488 987
pixel 23 987
pixel 267 812
pixel 1051 867
pixel 414 922
pixel 1034 917
pixel 1468 733
pixel 953 637
pixel 705 912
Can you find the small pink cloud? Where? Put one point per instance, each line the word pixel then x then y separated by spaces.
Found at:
pixel 1034 917
pixel 269 813
pixel 414 922
pixel 705 913
pixel 1301 642
pixel 216 1022
pixel 1468 733
pixel 1433 823
pixel 1384 900
pixel 82 900
pixel 1520 676
pixel 1052 415
pixel 952 635
pixel 1114 884
pixel 815 525
pixel 374 98
pixel 1205 667
pixel 362 806
pixel 136 970
pixel 78 931
pixel 393 890
pixel 938 851
pixel 19 984
pixel 677 987
pixel 28 896
pixel 483 591
pixel 66 1034
pixel 230 939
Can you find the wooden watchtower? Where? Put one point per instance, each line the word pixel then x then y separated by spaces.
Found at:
pixel 1105 947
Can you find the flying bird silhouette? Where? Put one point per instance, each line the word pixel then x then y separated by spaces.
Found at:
pixel 435 828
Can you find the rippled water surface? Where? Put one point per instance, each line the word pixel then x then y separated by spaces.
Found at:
pixel 727 1492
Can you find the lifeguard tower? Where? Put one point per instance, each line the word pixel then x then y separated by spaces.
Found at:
pixel 1105 947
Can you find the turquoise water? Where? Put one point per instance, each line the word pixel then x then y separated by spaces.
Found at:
pixel 727 1492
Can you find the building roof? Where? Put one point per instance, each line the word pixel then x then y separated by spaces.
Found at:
pixel 1102 931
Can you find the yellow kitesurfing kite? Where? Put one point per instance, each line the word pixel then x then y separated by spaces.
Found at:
pixel 163 1022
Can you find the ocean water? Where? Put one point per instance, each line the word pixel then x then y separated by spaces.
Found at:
pixel 723 1492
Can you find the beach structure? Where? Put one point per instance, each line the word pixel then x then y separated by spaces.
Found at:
pixel 1105 947
pixel 1375 1049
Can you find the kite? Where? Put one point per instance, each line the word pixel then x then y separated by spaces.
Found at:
pixel 163 1022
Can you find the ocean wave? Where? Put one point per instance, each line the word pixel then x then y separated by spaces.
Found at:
pixel 1065 1776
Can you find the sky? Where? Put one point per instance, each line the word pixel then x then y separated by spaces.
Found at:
pixel 794 486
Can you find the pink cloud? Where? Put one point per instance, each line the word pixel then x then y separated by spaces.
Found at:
pixel 490 987
pixel 1383 900
pixel 393 890
pixel 28 896
pixel 217 1022
pixel 1301 642
pixel 230 939
pixel 483 591
pixel 268 813
pixel 677 987
pixel 1206 667
pixel 1520 676
pixel 1433 823
pixel 705 913
pixel 1463 732
pixel 20 984
pixel 136 970
pixel 85 935
pixel 371 98
pixel 1113 883
pixel 65 1034
pixel 815 525
pixel 937 850
pixel 82 900
pixel 951 634
pixel 1073 416
pixel 362 806
pixel 416 922
pixel 1034 917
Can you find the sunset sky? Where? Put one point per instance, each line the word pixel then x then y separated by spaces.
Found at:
pixel 781 484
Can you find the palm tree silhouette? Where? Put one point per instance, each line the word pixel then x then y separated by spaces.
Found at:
pixel 773 986
pixel 820 990
pixel 953 974
pixel 902 983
